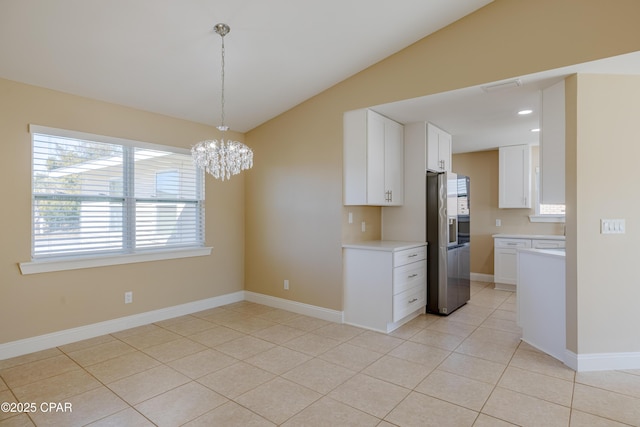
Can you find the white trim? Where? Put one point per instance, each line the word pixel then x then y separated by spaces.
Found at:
pixel 66 133
pixel 296 307
pixel 55 339
pixel 602 361
pixel 504 287
pixel 481 277
pixel 571 359
pixel 44 266
pixel 547 218
pixel 392 326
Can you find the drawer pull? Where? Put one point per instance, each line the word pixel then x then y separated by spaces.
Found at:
pixel 413 300
pixel 413 255
pixel 413 275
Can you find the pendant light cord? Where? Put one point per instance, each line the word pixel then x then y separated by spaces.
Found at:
pixel 222 126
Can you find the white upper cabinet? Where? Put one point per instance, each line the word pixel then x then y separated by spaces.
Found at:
pixel 438 149
pixel 515 177
pixel 373 160
pixel 552 136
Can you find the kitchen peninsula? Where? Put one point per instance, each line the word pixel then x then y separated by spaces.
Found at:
pixel 541 299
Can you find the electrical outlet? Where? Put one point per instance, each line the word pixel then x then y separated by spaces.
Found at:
pixel 498 223
pixel 286 284
pixel 364 226
pixel 128 297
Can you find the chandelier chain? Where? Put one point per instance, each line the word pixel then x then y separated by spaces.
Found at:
pixel 222 90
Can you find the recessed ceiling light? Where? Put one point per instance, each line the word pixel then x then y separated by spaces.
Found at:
pixel 535 130
pixel 525 112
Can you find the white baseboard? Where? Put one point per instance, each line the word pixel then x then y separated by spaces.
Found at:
pixel 505 287
pixel 296 307
pixel 602 361
pixel 481 277
pixel 55 339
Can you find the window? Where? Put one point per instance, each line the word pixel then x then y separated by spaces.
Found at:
pixel 557 210
pixel 101 196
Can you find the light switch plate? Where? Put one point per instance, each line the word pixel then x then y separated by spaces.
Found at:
pixel 612 226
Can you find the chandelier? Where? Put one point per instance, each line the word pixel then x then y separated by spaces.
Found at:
pixel 222 158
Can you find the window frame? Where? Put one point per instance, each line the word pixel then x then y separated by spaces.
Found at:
pixel 123 256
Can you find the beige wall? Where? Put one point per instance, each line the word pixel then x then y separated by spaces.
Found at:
pixel 295 218
pixel 41 303
pixel 604 184
pixel 482 168
pixel 294 221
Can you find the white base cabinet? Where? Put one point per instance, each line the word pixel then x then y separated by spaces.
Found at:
pixel 505 271
pixel 505 257
pixel 385 283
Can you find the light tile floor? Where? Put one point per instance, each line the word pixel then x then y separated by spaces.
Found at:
pixel 250 365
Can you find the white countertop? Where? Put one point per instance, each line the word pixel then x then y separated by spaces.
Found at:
pixel 545 252
pixel 530 236
pixel 383 245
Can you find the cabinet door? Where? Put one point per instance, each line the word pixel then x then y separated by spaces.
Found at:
pixel 444 151
pixel 505 266
pixel 552 145
pixel 433 149
pixel 515 177
pixel 393 163
pixel 375 159
pixel 438 149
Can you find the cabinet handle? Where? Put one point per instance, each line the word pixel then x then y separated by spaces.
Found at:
pixel 413 275
pixel 413 300
pixel 412 256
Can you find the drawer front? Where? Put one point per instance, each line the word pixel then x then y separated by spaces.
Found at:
pixel 409 255
pixel 512 243
pixel 547 244
pixel 409 301
pixel 409 276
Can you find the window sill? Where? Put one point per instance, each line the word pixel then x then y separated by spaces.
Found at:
pixel 62 264
pixel 547 218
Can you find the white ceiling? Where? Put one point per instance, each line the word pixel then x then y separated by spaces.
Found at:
pixel 480 120
pixel 162 56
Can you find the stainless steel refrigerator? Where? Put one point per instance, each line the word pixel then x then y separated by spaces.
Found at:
pixel 449 242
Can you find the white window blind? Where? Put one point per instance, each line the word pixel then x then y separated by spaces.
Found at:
pixel 96 195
